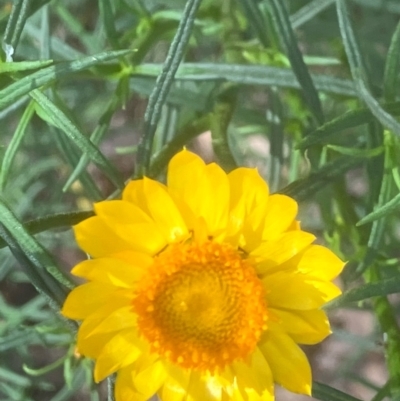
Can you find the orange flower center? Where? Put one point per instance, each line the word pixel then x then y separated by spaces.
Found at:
pixel 201 306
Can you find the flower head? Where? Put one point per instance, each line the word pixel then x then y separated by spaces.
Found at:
pixel 200 289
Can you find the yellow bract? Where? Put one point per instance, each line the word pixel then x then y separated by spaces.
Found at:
pixel 200 289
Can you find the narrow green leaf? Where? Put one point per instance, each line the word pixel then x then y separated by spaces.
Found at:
pixel 367 153
pixel 47 75
pixel 249 75
pixel 306 187
pixel 163 84
pixel 276 139
pixel 283 27
pixel 389 207
pixel 15 25
pixel 72 154
pixel 98 133
pixel 14 378
pixel 257 22
pixel 160 160
pixel 44 283
pixel 14 144
pixel 350 119
pixel 354 56
pixel 60 120
pixel 53 221
pixel 386 119
pixel 107 15
pixel 45 369
pixel 391 79
pixel 76 26
pixel 308 12
pixel 221 117
pixel 366 291
pixel 23 66
pixel 69 390
pixel 33 251
pixel 387 317
pixel 19 339
pixel 324 392
pixel 384 181
pixel 392 6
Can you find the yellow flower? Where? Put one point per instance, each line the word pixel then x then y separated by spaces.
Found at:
pixel 201 289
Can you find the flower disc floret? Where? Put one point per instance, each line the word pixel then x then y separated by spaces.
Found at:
pixel 201 305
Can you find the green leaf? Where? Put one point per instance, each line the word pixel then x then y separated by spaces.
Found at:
pixel 367 153
pixel 391 79
pixel 350 119
pixel 282 25
pixel 384 182
pixel 354 56
pixel 99 132
pixel 366 291
pixel 48 75
pixel 223 111
pixel 71 389
pixel 19 339
pixel 53 221
pixel 386 119
pixel 38 264
pixel 15 143
pixel 257 22
pixel 107 15
pixel 306 187
pixel 46 369
pixel 249 75
pixel 308 12
pixel 191 130
pixel 163 84
pixel 61 121
pixel 23 66
pixel 388 208
pixel 324 392
pixel 15 25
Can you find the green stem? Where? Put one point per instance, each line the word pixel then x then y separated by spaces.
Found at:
pixel 388 322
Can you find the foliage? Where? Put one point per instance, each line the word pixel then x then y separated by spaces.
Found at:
pixel 316 82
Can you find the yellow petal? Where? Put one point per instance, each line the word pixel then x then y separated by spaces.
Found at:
pixel 122 350
pixel 280 214
pixel 171 392
pixel 199 389
pixel 254 375
pixel 91 347
pixel 134 193
pixel 288 363
pixel 96 238
pixel 274 253
pixel 86 299
pixel 305 327
pixel 217 207
pixel 113 271
pixel 131 224
pixel 164 211
pixel 124 388
pixel 248 201
pixel 176 384
pixel 297 291
pixel 90 344
pixel 320 262
pixel 150 376
pixel 119 319
pixel 203 188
